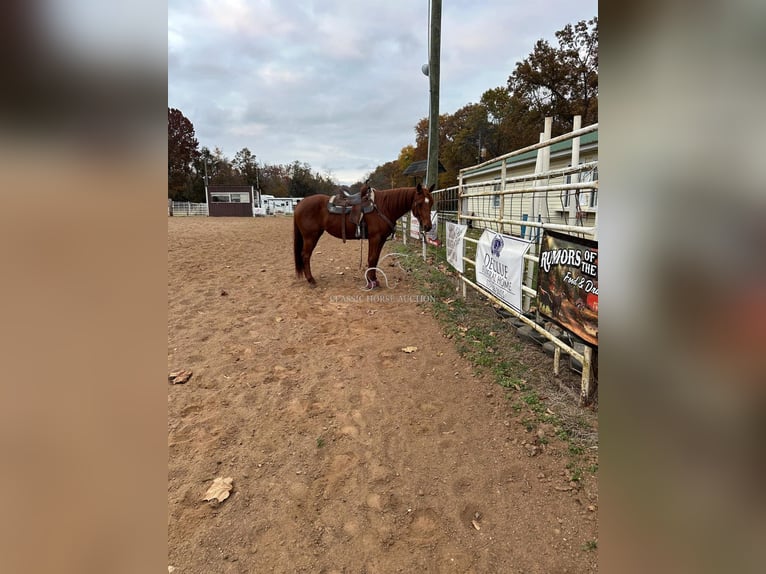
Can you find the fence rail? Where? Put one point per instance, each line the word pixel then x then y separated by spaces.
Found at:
pixel 185 208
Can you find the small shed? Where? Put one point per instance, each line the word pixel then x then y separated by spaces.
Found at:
pixel 418 169
pixel 230 200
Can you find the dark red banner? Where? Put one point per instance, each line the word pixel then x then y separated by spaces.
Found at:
pixel 567 284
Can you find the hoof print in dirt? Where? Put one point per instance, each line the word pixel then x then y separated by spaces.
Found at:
pixel 532 449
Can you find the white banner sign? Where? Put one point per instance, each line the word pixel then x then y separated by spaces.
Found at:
pixel 415 226
pixel 500 266
pixel 455 235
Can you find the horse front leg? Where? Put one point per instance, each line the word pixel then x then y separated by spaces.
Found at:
pixel 373 255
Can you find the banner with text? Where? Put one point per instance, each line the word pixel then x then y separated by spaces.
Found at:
pixel 567 284
pixel 431 236
pixel 500 266
pixel 455 244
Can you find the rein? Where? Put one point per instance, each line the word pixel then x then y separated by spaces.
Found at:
pixel 391 226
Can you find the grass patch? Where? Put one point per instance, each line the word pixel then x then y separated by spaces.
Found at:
pixel 486 340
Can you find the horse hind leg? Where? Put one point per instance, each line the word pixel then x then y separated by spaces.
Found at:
pixel 298 249
pixel 308 248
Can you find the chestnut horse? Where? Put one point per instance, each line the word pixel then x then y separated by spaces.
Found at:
pixel 312 218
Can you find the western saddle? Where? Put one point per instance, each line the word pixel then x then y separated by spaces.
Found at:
pixel 355 205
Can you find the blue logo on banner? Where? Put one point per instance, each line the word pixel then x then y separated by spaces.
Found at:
pixel 497 246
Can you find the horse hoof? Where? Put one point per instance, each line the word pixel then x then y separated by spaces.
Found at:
pixel 372 284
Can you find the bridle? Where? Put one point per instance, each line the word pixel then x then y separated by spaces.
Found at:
pixel 416 212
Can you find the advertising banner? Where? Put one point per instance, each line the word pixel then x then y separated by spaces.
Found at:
pixel 567 284
pixel 431 236
pixel 500 266
pixel 455 243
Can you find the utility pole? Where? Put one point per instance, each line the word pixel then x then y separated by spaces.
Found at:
pixel 435 29
pixel 207 196
pixel 257 182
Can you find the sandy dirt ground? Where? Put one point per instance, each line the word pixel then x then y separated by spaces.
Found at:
pixel 347 454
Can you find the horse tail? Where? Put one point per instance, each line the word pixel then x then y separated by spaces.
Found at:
pixel 298 248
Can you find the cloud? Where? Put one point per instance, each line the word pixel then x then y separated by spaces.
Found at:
pixel 337 84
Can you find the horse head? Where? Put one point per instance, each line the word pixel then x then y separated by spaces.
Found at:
pixel 421 206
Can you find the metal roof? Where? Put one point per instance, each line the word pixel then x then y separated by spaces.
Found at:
pixel 419 168
pixel 588 140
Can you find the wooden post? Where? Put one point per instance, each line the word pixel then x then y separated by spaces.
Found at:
pixel 585 387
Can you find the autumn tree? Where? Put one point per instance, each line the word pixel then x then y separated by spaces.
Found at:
pixel 387 176
pixel 469 138
pixel 512 124
pixel 300 180
pixel 561 81
pixel 304 182
pixel 274 180
pixel 406 157
pixel 421 145
pixel 182 153
pixel 225 173
pixel 552 81
pixel 245 163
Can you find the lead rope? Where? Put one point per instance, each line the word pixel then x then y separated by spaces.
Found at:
pixel 379 270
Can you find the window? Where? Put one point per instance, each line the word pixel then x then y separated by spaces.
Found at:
pixel 230 197
pixel 588 197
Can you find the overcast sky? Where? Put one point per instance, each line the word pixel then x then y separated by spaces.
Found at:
pixel 338 83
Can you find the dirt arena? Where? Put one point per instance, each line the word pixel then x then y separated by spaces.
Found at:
pixel 347 454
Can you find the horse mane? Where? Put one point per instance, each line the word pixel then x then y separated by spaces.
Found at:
pixel 397 200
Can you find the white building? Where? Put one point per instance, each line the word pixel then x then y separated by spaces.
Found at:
pixel 273 205
pixel 560 207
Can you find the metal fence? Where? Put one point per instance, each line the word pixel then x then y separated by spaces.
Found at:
pixel 523 205
pixel 185 208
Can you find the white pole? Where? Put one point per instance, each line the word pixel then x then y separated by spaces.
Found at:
pixel 547 149
pixel 503 175
pixel 575 178
pixel 529 281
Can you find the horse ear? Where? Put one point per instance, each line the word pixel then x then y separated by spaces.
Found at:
pixel 433 185
pixel 420 188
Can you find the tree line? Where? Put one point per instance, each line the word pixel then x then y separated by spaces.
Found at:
pixel 558 81
pixel 189 167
